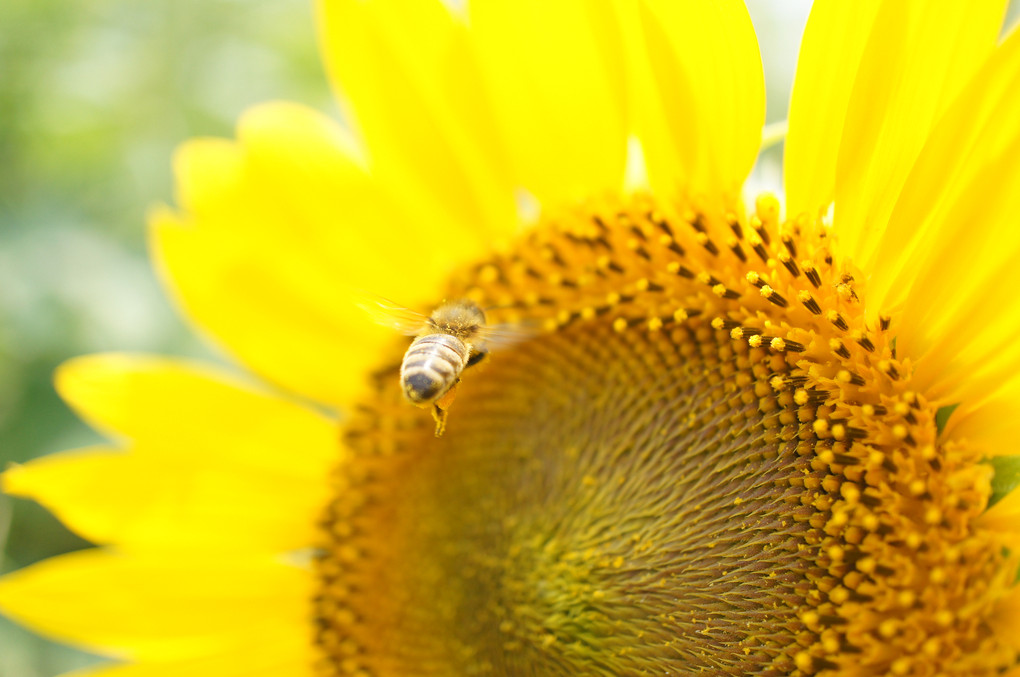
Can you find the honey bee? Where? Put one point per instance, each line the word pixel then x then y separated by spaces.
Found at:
pixel 454 337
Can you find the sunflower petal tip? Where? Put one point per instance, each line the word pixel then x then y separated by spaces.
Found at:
pixel 71 375
pixel 80 378
pixel 270 120
pixel 160 214
pixel 11 479
pixel 64 377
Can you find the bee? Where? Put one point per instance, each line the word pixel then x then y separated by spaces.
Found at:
pixel 454 337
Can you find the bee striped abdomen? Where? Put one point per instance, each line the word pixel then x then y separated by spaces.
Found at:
pixel 432 366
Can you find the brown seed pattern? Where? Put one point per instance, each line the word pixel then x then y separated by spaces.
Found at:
pixel 707 461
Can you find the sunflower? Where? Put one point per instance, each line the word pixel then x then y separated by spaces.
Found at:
pixel 729 435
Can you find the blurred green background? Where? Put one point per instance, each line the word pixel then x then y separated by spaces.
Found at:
pixel 94 96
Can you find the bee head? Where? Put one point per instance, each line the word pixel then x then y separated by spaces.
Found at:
pixel 462 319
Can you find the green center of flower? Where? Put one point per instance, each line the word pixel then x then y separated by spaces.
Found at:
pixel 706 462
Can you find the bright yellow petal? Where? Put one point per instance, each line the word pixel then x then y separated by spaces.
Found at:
pixel 953 241
pixel 699 93
pixel 555 74
pixel 267 260
pixel 157 501
pixel 175 407
pixel 960 318
pixel 830 54
pixel 209 177
pixel 974 134
pixel 157 607
pixel 411 82
pixel 918 57
pixel 289 656
pixel 1004 516
pixel 275 318
pixel 325 194
pixel 990 424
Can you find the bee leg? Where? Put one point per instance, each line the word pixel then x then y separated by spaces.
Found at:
pixel 476 357
pixel 439 416
pixel 440 407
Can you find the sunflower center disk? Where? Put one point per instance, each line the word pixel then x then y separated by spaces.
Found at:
pixel 699 459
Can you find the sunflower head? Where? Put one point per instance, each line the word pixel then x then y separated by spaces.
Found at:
pixel 711 434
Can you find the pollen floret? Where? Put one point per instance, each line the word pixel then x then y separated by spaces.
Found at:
pixel 693 368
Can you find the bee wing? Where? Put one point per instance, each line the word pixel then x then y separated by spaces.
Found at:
pixel 500 336
pixel 384 312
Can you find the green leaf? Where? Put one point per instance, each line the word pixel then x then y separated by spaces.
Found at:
pixel 1006 478
pixel 942 416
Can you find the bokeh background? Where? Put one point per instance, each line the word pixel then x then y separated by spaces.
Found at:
pixel 94 96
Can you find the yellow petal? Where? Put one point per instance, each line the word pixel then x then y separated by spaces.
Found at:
pixel 157 501
pixel 960 317
pixel 275 318
pixel 156 607
pixel 412 86
pixel 1004 516
pixel 918 57
pixel 990 424
pixel 178 408
pixel 699 93
pixel 209 177
pixel 290 656
pixel 830 54
pixel 266 258
pixel 326 195
pixel 1006 619
pixel 974 133
pixel 951 245
pixel 555 74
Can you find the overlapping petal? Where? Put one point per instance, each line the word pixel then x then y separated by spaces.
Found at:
pixel 410 81
pixel 697 93
pixel 952 281
pixel 830 54
pixel 268 256
pixel 146 499
pixel 175 407
pixel 210 464
pixel 163 608
pixel 555 73
pixel 1003 516
pixel 289 655
pixel 989 423
pixel 918 57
